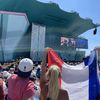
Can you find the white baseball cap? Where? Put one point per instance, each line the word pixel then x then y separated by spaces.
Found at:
pixel 25 65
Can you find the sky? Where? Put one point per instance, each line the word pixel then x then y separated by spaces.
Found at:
pixel 86 9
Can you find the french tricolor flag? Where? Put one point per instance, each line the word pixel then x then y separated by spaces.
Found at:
pixel 81 81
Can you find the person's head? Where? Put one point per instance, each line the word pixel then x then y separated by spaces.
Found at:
pixel 6 74
pixel 53 75
pixel 11 70
pixel 25 67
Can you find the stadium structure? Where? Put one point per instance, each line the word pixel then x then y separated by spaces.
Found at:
pixel 97 49
pixel 28 26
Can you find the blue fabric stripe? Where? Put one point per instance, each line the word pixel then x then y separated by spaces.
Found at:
pixel 35 98
pixel 93 79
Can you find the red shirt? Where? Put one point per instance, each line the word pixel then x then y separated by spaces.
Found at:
pixel 19 87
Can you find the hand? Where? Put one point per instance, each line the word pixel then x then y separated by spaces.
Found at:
pixel 46 49
pixel 44 60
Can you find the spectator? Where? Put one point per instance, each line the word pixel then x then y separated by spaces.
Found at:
pixel 3 89
pixel 0 67
pixel 19 86
pixel 38 72
pixel 6 75
pixel 54 90
pixel 43 79
pixel 11 70
pixel 49 82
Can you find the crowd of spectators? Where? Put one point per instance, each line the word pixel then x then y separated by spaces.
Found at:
pixel 8 69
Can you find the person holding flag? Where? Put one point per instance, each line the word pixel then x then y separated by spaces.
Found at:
pixel 49 82
pixel 81 80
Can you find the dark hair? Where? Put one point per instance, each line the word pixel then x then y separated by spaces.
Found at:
pixel 24 74
pixel 38 73
pixel 48 98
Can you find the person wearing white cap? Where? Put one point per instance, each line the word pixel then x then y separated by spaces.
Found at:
pixel 19 86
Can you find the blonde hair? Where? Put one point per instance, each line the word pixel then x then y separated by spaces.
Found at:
pixel 53 86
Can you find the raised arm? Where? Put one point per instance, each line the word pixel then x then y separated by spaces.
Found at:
pixel 43 79
pixel 44 65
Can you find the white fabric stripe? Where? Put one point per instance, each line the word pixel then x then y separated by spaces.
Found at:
pixel 75 81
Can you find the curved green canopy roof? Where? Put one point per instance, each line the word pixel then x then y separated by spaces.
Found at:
pixel 49 14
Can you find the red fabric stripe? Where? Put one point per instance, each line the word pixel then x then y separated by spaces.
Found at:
pixel 54 59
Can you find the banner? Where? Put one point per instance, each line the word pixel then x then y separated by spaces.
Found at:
pixel 73 42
